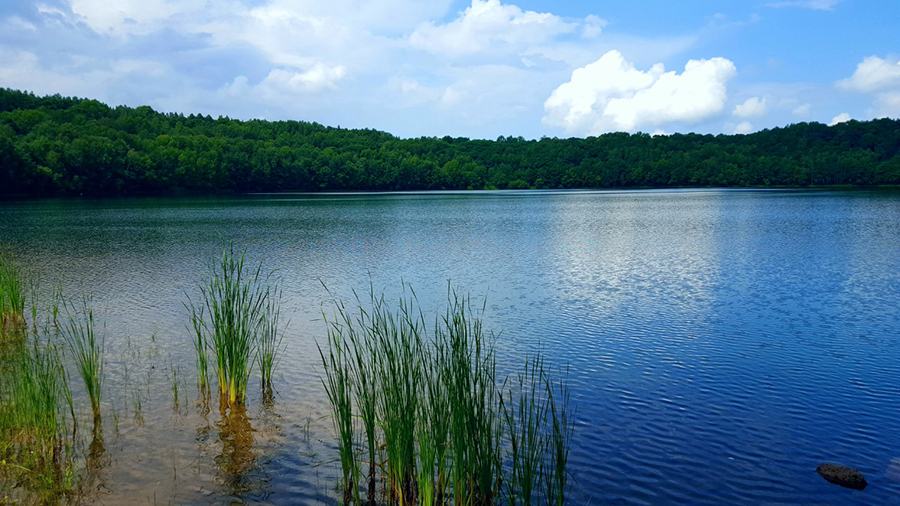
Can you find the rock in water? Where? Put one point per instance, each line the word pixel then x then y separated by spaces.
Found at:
pixel 842 475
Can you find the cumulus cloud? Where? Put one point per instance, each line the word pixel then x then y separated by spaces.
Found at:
pixel 487 24
pixel 593 27
pixel 610 94
pixel 889 104
pixel 873 74
pixel 743 128
pixel 840 118
pixel 803 109
pixel 879 77
pixel 751 108
pixel 318 77
pixel 820 5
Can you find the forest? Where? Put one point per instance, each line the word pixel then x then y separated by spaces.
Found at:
pixel 66 146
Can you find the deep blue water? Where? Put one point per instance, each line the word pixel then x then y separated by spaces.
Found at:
pixel 720 344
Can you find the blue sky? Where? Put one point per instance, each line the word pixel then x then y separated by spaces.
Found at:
pixel 477 68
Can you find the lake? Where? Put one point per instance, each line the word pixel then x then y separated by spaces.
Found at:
pixel 720 343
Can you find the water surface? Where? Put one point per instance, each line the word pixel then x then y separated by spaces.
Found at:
pixel 720 344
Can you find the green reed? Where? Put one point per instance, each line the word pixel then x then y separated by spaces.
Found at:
pixel 34 395
pixel 434 406
pixel 398 339
pixel 433 433
pixel 201 348
pixel 363 368
pixel 237 315
pixel 562 428
pixel 524 414
pixel 86 349
pixel 12 295
pixel 338 386
pixel 470 376
pixel 269 341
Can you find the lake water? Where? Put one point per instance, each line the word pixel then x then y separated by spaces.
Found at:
pixel 720 344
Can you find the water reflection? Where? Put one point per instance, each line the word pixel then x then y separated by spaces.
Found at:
pixel 721 343
pixel 237 457
pixel 98 460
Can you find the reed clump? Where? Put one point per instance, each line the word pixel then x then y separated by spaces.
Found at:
pixel 12 295
pixel 86 349
pixel 428 413
pixel 35 445
pixel 235 325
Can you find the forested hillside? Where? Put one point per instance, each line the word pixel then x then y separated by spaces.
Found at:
pixel 68 146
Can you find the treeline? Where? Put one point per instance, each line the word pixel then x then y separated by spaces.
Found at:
pixel 69 146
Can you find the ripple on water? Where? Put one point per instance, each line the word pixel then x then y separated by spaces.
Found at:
pixel 719 344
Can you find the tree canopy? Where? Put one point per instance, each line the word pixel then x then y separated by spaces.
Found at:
pixel 58 146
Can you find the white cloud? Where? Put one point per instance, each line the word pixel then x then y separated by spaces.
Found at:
pixel 889 104
pixel 820 5
pixel 873 74
pixel 802 110
pixel 593 27
pixel 879 77
pixel 131 16
pixel 743 128
pixel 751 108
pixel 488 24
pixel 840 118
pixel 451 97
pixel 316 78
pixel 282 83
pixel 408 66
pixel 610 94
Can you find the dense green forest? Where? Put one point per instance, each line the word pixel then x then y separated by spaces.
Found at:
pixel 58 145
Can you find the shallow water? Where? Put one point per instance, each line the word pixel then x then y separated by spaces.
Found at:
pixel 720 344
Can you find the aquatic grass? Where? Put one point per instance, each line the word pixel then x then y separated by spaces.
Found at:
pixel 524 414
pixel 33 292
pixel 470 376
pixel 270 340
pixel 338 387
pixel 433 410
pixel 33 396
pixel 57 302
pixel 420 396
pixel 236 316
pixel 433 433
pixel 201 347
pixel 562 428
pixel 36 388
pixel 398 339
pixel 12 296
pixel 356 333
pixel 86 349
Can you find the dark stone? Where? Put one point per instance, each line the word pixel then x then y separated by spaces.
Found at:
pixel 842 475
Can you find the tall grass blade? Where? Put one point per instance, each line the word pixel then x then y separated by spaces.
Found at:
pixel 86 349
pixel 236 320
pixel 338 386
pixel 12 297
pixel 562 428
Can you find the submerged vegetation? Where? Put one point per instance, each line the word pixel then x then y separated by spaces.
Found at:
pixel 69 146
pixel 432 413
pixel 236 321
